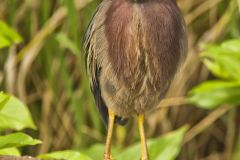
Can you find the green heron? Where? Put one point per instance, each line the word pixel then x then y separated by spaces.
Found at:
pixel 133 50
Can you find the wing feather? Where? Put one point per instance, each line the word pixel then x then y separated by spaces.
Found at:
pixel 91 60
pixel 95 45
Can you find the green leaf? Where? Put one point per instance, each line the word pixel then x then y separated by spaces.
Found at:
pixel 98 150
pixel 8 36
pixel 3 100
pixel 68 155
pixel 4 42
pixel 10 152
pixel 17 140
pixel 72 19
pixel 165 147
pixel 14 114
pixel 233 45
pixel 211 94
pixel 67 43
pixel 224 62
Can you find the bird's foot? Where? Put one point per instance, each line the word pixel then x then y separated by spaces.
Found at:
pixel 144 158
pixel 107 156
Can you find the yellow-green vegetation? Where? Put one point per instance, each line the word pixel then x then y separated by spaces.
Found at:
pixel 45 91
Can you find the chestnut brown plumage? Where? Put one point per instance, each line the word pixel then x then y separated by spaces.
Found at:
pixel 133 50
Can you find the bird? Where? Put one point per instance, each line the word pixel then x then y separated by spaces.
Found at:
pixel 133 50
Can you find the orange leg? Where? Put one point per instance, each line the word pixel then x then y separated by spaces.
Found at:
pixel 107 152
pixel 142 136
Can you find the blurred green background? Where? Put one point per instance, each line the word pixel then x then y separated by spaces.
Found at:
pixel 44 67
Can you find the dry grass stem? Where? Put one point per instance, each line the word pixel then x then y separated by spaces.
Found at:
pixel 206 122
pixel 207 5
pixel 171 102
pixel 28 54
pixel 231 130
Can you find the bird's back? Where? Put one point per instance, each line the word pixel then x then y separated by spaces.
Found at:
pixel 136 48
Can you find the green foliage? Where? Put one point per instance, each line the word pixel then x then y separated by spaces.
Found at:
pixel 167 147
pixel 10 151
pixel 224 62
pixel 212 94
pixel 65 42
pixel 98 150
pixel 14 114
pixel 3 100
pixel 8 36
pixel 164 147
pixel 68 155
pixel 17 140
